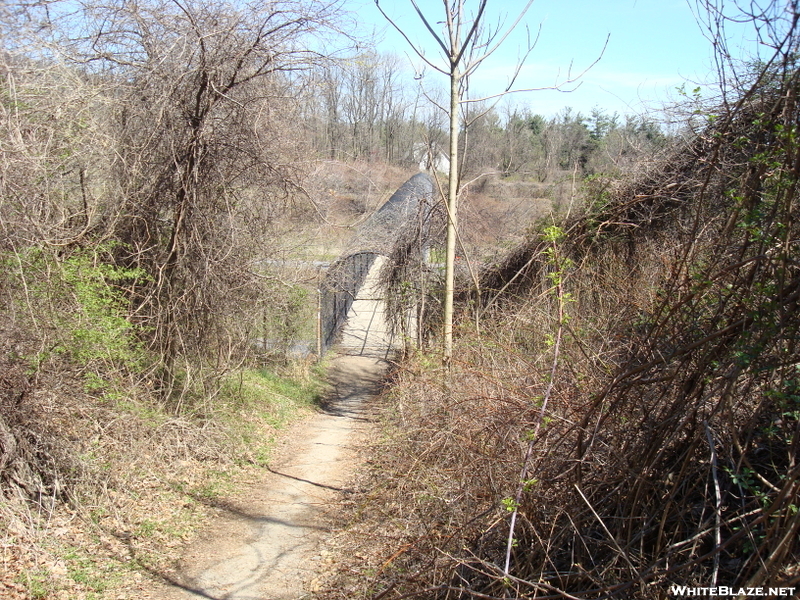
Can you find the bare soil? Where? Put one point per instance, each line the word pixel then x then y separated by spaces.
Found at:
pixel 266 543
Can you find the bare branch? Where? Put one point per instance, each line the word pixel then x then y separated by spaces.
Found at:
pixel 416 50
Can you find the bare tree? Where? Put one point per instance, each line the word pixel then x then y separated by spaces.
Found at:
pixel 467 41
pixel 200 156
pixel 360 108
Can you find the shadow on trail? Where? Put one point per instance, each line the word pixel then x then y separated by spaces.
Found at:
pixel 270 537
pixel 352 380
pixel 160 575
pixel 300 479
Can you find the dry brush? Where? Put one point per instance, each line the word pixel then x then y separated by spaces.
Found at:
pixel 629 417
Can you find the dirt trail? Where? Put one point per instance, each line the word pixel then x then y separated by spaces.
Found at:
pixel 265 546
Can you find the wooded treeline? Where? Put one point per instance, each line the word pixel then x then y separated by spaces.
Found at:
pixel 371 107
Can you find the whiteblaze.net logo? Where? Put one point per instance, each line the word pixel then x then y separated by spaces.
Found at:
pixel 722 591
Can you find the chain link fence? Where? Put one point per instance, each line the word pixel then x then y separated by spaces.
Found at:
pixel 338 292
pixel 377 236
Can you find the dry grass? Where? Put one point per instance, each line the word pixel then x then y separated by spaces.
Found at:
pixel 109 488
pixel 631 403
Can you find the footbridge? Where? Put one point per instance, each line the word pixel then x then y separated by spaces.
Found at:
pixel 353 306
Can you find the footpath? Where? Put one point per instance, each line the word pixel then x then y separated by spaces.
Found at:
pixel 266 544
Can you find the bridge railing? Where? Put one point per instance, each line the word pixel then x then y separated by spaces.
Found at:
pixel 378 235
pixel 338 291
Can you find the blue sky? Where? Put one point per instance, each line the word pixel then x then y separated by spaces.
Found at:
pixel 654 46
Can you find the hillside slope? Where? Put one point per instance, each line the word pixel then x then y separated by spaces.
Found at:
pixel 628 417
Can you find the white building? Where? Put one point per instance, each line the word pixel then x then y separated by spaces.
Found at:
pixel 431 158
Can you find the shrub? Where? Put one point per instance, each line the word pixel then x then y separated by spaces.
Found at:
pixel 74 305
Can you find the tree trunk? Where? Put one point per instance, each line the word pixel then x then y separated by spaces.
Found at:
pixel 452 216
